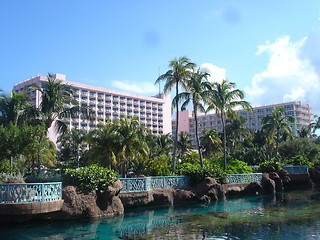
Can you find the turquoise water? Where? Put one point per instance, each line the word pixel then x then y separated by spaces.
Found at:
pixel 291 215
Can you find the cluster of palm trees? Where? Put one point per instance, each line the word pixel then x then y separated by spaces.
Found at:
pixel 126 146
pixel 57 103
pixel 204 96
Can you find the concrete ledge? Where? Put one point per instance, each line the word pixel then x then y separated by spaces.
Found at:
pixel 30 208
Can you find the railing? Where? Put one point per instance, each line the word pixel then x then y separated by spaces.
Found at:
pixel 30 192
pixel 296 169
pixel 244 178
pixel 148 183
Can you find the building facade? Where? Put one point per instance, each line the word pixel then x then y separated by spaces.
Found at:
pixel 301 113
pixel 152 112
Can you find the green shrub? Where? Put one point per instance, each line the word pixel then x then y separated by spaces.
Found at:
pixel 44 177
pixel 269 166
pixel 299 160
pixel 197 174
pixel 235 166
pixel 92 177
pixel 11 178
pixel 160 166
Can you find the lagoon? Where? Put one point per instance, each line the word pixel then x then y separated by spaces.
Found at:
pixel 288 215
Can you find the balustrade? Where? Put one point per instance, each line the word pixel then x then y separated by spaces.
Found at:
pixel 244 178
pixel 296 169
pixel 30 192
pixel 148 183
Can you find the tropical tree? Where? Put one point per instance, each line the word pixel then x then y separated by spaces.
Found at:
pixel 197 91
pixel 224 97
pixel 210 142
pixel 71 145
pixel 316 124
pixel 276 125
pixel 132 141
pixel 57 104
pixel 180 69
pixel 104 145
pixel 14 108
pixel 184 145
pixel 304 132
pixel 162 144
pixel 235 130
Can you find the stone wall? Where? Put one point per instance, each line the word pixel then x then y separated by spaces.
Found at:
pixel 92 204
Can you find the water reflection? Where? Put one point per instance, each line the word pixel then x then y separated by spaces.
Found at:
pixel 292 215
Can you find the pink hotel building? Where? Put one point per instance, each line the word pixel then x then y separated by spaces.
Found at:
pixel 153 112
pixel 301 113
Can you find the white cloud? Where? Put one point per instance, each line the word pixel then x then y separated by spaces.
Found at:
pixel 290 74
pixel 145 88
pixel 217 74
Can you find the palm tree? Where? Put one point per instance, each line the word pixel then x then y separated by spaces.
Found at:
pixel 210 142
pixel 57 104
pixel 276 125
pixel 304 132
pixel 235 130
pixel 224 97
pixel 71 142
pixel 14 108
pixel 104 145
pixel 316 124
pixel 179 72
pixel 132 141
pixel 197 91
pixel 163 144
pixel 184 144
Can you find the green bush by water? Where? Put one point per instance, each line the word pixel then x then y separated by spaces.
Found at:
pixel 197 174
pixel 92 177
pixel 299 160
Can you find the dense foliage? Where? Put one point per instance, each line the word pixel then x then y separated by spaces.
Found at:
pixel 126 147
pixel 92 177
pixel 196 173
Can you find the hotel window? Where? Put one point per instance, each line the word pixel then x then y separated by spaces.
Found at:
pixel 289 107
pixel 269 110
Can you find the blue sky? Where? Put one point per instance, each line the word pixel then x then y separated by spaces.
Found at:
pixel 270 49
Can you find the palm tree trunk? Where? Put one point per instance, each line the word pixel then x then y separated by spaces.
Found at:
pixel 224 143
pixel 38 155
pixel 197 138
pixel 277 147
pixel 176 133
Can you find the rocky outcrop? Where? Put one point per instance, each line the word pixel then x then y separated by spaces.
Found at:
pixel 277 180
pixel 209 190
pixel 89 204
pixel 315 175
pixel 167 196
